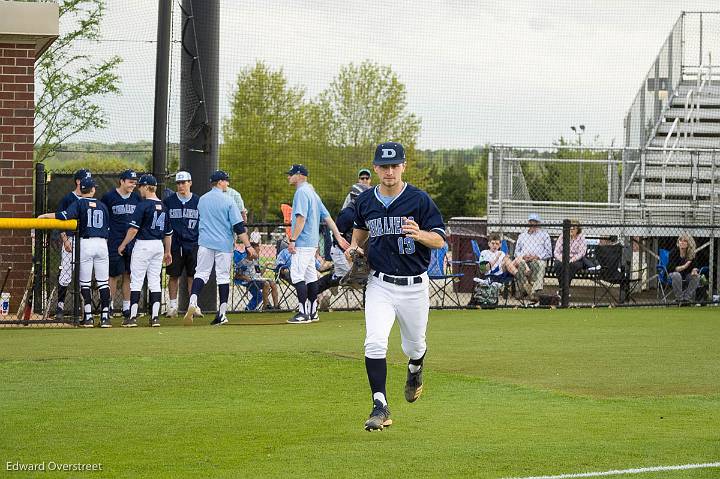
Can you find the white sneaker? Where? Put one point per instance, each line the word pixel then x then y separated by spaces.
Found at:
pixel 171 313
pixel 482 281
pixel 198 313
pixel 595 268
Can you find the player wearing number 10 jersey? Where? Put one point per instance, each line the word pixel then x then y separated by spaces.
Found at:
pixel 93 219
pixel 152 227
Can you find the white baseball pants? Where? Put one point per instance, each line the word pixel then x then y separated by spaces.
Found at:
pixel 383 303
pixel 206 258
pixel 66 263
pixel 94 256
pixel 302 267
pixel 146 260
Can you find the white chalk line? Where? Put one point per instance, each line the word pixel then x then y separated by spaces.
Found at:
pixel 638 470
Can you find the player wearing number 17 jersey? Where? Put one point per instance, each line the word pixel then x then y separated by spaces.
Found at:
pixel 93 219
pixel 401 224
pixel 151 226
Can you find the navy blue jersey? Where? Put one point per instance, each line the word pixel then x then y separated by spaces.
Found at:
pixel 151 219
pixel 389 250
pixel 121 211
pixel 92 216
pixel 64 204
pixel 184 221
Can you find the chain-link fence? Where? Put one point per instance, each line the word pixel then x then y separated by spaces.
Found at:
pixel 581 264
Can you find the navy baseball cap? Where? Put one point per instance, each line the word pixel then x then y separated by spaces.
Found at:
pixel 148 180
pixel 389 153
pixel 364 171
pixel 128 175
pixel 87 183
pixel 297 169
pixel 219 175
pixel 80 174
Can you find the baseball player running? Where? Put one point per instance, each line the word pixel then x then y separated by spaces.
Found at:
pixel 307 212
pixel 220 220
pixel 68 242
pixel 183 210
pixel 121 203
pixel 93 218
pixel 401 224
pixel 152 227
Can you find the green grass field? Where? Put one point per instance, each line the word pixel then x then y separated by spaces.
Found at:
pixel 509 393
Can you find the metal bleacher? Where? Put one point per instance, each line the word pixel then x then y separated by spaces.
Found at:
pixel 668 172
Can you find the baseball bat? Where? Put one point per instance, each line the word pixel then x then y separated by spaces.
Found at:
pixel 48 303
pixel 26 304
pixel 7 273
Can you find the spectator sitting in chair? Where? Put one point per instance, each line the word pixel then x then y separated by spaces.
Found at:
pixel 681 269
pixel 495 262
pixel 532 250
pixel 250 271
pixel 578 248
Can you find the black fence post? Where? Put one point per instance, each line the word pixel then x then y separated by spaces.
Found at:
pixel 565 277
pixel 39 246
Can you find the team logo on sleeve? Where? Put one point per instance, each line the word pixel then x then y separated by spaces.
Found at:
pixel 92 204
pixel 158 207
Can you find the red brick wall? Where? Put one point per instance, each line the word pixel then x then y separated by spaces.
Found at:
pixel 17 113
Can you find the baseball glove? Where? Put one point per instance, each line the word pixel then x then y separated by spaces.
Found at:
pixel 357 277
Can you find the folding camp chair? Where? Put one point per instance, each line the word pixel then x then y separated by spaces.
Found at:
pixel 246 295
pixel 441 277
pixel 665 291
pixel 506 280
pixel 611 273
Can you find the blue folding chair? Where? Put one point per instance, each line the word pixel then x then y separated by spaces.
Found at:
pixel 664 288
pixel 505 279
pixel 251 287
pixel 440 277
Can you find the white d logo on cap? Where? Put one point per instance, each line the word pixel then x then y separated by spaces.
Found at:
pixel 389 153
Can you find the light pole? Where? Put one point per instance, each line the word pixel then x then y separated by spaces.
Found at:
pixel 579 130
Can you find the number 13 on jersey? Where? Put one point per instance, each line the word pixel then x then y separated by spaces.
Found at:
pixel 406 245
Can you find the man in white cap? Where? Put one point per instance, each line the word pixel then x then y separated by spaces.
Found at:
pixel 182 207
pixel 532 251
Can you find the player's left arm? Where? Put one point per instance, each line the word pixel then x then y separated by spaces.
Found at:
pixel 429 229
pixel 325 215
pixel 167 241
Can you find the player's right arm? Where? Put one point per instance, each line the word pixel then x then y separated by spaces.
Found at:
pixel 359 237
pixel 295 232
pixel 133 228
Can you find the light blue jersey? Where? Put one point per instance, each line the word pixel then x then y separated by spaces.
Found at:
pixel 308 204
pixel 218 213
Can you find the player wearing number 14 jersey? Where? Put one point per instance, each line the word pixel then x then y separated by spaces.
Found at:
pixel 151 226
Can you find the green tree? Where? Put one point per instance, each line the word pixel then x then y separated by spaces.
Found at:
pixel 263 137
pixel 70 80
pixel 364 105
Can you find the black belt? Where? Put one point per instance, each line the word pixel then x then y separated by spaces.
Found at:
pixel 400 281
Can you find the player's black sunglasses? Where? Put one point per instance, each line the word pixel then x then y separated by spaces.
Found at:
pixel 364 177
pixel 183 181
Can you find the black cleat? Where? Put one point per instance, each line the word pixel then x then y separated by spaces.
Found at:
pixel 129 323
pixel 379 417
pixel 413 386
pixel 155 323
pixel 299 318
pixel 315 317
pixel 59 313
pixel 219 320
pixel 88 323
pixel 105 323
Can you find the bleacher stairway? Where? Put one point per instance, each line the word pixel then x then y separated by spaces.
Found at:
pixel 676 178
